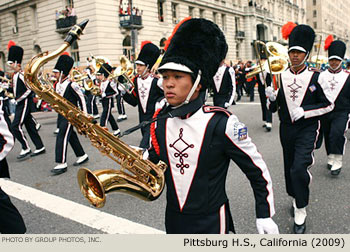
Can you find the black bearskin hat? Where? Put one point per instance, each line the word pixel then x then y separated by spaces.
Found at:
pixel 196 45
pixel 148 55
pixel 15 54
pixel 301 38
pixel 64 64
pixel 105 69
pixel 336 48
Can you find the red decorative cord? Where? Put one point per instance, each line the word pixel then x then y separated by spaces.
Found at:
pixel 153 133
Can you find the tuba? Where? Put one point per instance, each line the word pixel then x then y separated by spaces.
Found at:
pixel 136 177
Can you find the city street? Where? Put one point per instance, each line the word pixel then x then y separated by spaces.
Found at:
pixel 44 213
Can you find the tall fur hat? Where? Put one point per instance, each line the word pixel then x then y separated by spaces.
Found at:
pixel 336 48
pixel 64 64
pixel 196 45
pixel 301 37
pixel 15 52
pixel 105 69
pixel 148 55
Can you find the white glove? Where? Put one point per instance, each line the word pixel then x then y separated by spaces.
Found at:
pixel 297 113
pixel 121 89
pixel 226 104
pixel 103 95
pixel 13 101
pixel 270 93
pixel 266 226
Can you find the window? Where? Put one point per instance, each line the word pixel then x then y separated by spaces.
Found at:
pixel 75 53
pixel 237 23
pixel 161 10
pixel 15 22
pixel 34 17
pixel 223 22
pixel 37 49
pixel 201 13
pixel 314 2
pixel 174 13
pixel 191 11
pixel 161 45
pixel 215 17
pixel 314 13
pixel 315 25
pixel 127 47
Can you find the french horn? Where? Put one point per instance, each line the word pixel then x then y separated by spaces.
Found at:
pixel 136 177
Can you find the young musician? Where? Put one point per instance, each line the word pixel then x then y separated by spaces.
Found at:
pixel 337 83
pixel 108 90
pixel 197 142
pixel 24 104
pixel 72 92
pixel 147 89
pixel 300 102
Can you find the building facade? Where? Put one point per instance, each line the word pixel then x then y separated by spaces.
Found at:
pixel 118 27
pixel 328 18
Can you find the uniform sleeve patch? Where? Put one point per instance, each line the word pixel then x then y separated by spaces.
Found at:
pixel 240 131
pixel 312 88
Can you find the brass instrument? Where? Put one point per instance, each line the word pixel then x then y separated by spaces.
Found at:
pixel 136 177
pixel 90 86
pixel 122 75
pixel 78 77
pixel 277 59
pixel 98 61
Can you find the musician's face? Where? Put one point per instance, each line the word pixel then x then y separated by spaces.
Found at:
pixel 296 57
pixel 140 69
pixel 177 85
pixel 334 63
pixel 15 67
pixel 56 75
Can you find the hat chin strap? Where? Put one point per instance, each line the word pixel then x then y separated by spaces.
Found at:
pixel 304 60
pixel 193 89
pixel 335 69
pixel 144 71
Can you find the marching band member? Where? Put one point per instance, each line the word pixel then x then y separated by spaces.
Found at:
pixel 335 123
pixel 11 221
pixel 91 99
pixel 72 92
pixel 300 102
pixel 147 91
pixel 224 86
pixel 266 114
pixel 108 90
pixel 24 104
pixel 198 141
pixel 5 100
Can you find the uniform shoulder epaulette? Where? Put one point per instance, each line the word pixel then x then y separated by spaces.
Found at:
pixel 211 109
pixel 314 69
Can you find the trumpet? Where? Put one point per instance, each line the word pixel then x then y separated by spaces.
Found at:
pixel 136 177
pixel 277 59
pixel 78 77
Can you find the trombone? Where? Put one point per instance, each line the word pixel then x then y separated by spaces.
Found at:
pixel 277 59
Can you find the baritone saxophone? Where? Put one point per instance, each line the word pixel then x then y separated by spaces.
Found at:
pixel 137 176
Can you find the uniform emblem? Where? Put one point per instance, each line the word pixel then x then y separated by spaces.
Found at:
pixel 242 134
pixel 294 89
pixel 312 88
pixel 76 88
pixel 240 131
pixel 180 146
